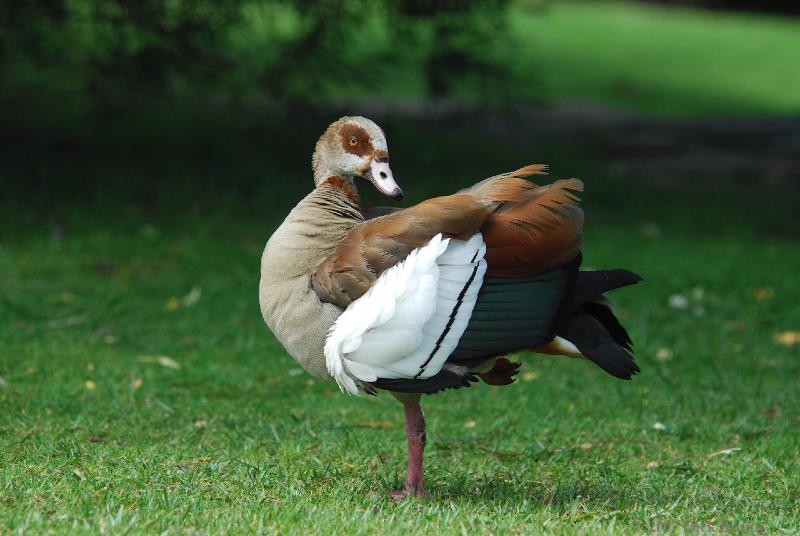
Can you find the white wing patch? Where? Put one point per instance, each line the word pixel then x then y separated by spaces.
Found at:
pixel 411 319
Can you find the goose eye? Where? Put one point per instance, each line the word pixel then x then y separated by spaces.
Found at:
pixel 353 141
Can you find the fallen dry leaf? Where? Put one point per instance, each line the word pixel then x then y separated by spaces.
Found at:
pixel 90 385
pixel 376 424
pixel 652 465
pixel 67 322
pixel 174 303
pixel 192 298
pixel 763 293
pixel 787 338
pixel 79 474
pixel 137 384
pixel 199 424
pixel 470 424
pixel 162 360
pixel 679 301
pixel 725 452
pixel 664 354
pixel 168 362
pixel 586 446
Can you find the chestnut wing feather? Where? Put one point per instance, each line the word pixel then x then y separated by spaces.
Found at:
pixel 540 231
pixel 532 228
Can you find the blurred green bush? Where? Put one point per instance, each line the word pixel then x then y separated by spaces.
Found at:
pixel 77 54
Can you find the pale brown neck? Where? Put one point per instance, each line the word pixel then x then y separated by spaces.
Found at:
pixel 311 232
pixel 320 161
pixel 341 194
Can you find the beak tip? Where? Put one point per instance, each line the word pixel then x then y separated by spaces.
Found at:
pixel 398 194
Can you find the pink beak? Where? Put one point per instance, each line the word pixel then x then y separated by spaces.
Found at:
pixel 380 174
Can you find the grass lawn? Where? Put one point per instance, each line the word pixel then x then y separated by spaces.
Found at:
pixel 142 393
pixel 661 60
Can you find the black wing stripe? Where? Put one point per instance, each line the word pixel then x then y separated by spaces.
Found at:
pixel 452 318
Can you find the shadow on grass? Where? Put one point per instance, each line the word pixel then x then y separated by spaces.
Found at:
pixel 566 495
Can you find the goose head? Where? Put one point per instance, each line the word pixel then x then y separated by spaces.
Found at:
pixel 352 147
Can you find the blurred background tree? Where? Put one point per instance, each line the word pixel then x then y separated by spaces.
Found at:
pixel 79 54
pixel 465 47
pixel 117 52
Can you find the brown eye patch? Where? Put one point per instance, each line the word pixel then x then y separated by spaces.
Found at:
pixel 355 140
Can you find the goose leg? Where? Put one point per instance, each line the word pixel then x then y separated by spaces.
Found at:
pixel 415 434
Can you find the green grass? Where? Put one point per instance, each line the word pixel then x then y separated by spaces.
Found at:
pixel 97 435
pixel 661 60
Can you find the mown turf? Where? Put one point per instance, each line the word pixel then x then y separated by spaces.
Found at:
pixel 142 393
pixel 659 59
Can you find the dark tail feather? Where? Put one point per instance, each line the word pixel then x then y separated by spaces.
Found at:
pixel 601 310
pixel 591 285
pixel 590 323
pixel 608 348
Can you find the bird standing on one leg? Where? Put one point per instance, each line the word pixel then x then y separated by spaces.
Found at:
pixel 415 435
pixel 430 297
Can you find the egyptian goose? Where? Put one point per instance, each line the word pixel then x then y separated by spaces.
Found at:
pixel 430 297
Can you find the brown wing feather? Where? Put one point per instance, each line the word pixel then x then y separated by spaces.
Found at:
pixel 507 187
pixel 537 231
pixel 377 244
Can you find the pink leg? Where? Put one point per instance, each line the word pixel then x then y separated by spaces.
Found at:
pixel 415 433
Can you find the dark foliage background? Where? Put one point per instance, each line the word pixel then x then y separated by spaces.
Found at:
pixel 99 54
